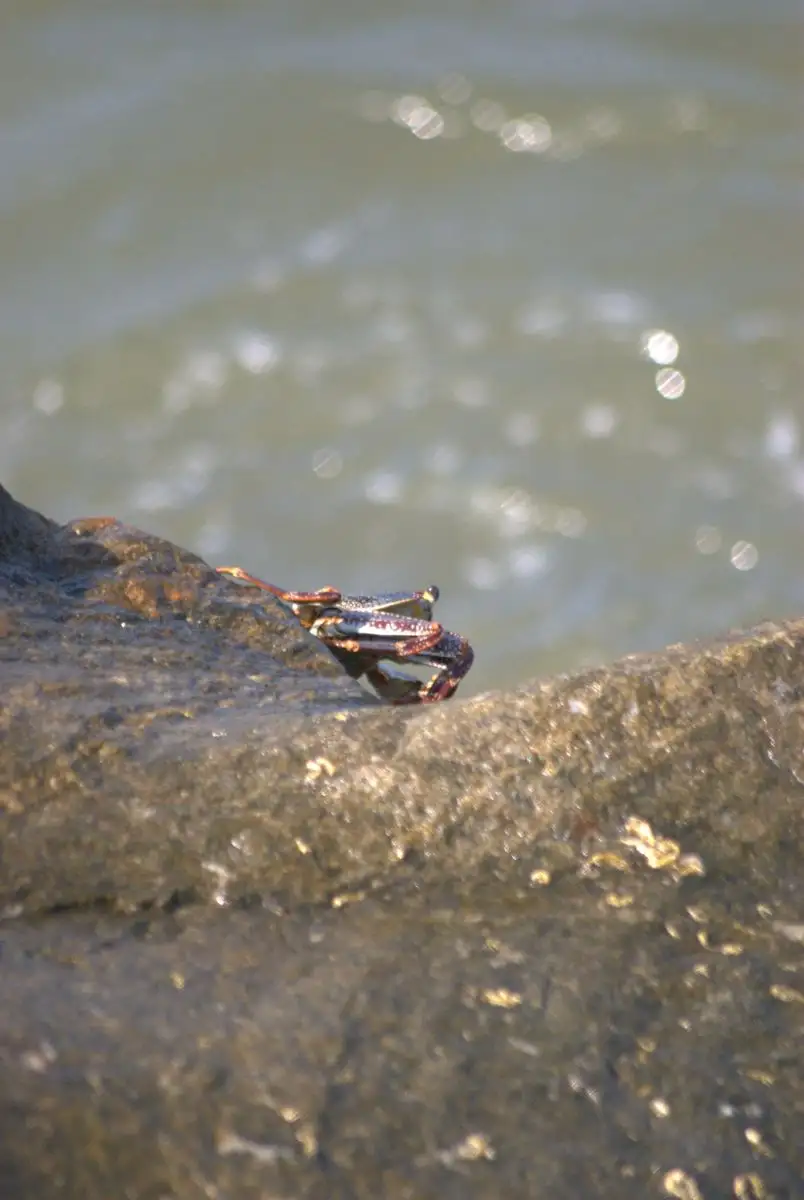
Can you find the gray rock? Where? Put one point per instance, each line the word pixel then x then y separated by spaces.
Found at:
pixel 264 937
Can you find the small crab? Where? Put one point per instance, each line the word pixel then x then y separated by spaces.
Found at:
pixel 363 630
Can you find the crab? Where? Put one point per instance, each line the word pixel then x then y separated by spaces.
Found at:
pixel 361 631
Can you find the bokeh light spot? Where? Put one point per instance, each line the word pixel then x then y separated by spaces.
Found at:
pixel 256 354
pixel 708 539
pixel 48 396
pixel 744 556
pixel 483 574
pixel 660 346
pixel 782 436
pixel 383 487
pixel 531 134
pixel 405 107
pixel 599 420
pixel 418 116
pixel 571 522
pixel 427 124
pixel 526 562
pixel 670 383
pixel 517 513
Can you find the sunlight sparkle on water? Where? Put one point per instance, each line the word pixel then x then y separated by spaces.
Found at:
pixel 670 383
pixel 256 353
pixel 744 556
pixel 517 506
pixel 48 396
pixel 405 108
pixel 708 539
pixel 599 420
pixel 383 487
pixel 781 436
pixel 483 573
pixel 414 112
pixel 531 134
pixel 429 124
pixel 518 514
pixel 660 346
pixel 526 562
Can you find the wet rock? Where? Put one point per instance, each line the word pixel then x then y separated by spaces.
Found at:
pixel 264 937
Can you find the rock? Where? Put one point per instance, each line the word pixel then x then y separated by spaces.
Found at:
pixel 265 937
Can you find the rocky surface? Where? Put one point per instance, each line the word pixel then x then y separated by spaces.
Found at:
pixel 263 937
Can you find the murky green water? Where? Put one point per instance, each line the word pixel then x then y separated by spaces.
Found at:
pixel 504 299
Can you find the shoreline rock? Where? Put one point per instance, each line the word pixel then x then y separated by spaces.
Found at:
pixel 265 936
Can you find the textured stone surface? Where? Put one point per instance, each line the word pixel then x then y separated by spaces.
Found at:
pixel 264 937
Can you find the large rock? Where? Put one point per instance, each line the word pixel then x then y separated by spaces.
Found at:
pixel 264 937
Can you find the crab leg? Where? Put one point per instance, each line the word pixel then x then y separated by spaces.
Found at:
pixel 424 642
pixel 457 656
pixel 325 595
pixel 373 631
pixel 402 689
pixel 393 626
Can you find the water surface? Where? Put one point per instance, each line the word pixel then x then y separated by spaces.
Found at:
pixel 506 300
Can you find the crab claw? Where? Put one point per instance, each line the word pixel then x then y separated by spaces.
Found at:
pixel 454 657
pixel 361 631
